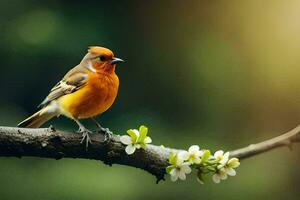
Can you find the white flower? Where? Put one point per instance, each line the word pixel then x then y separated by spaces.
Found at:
pixel 220 175
pixel 182 156
pixel 225 167
pixel 194 154
pixel 137 139
pixel 179 167
pixel 180 171
pixel 231 164
pixel 131 141
pixel 221 158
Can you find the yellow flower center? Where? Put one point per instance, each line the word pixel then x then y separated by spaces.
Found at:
pixel 219 157
pixel 192 157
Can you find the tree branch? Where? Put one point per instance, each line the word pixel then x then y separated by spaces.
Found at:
pixel 51 143
pixel 286 139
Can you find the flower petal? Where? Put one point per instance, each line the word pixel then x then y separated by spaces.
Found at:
pixel 174 178
pixel 230 171
pixel 143 130
pixel 174 175
pixel 130 149
pixel 216 178
pixel 223 177
pixel 222 163
pixel 218 154
pixel 222 174
pixel 194 148
pixel 220 166
pixel 226 156
pixel 125 139
pixel 147 140
pixel 197 160
pixel 199 153
pixel 181 175
pixel 136 132
pixel 186 169
pixel 133 134
pixel 233 162
pixel 182 156
pixel 173 172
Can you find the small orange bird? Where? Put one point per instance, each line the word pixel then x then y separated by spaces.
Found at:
pixel 87 90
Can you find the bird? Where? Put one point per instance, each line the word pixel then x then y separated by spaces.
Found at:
pixel 87 90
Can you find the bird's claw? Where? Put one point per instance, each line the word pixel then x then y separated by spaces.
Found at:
pixel 107 136
pixel 104 131
pixel 85 137
pixel 107 133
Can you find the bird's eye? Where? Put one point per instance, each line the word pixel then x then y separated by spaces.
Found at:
pixel 102 58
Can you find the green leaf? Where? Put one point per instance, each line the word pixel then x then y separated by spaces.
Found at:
pixel 133 136
pixel 211 168
pixel 143 133
pixel 206 155
pixel 204 170
pixel 202 176
pixel 169 168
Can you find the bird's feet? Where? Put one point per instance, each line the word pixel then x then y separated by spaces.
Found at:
pixel 85 136
pixel 106 132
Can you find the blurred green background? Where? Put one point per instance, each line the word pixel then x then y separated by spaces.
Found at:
pixel 221 74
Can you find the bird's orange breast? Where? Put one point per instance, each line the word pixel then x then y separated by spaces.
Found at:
pixel 94 98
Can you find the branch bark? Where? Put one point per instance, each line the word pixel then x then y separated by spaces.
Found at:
pixel 51 143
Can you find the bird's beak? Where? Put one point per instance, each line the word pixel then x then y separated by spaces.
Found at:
pixel 116 60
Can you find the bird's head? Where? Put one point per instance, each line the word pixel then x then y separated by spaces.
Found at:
pixel 100 59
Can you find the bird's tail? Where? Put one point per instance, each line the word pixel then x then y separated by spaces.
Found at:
pixel 37 119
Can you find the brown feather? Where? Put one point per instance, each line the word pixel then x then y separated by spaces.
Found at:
pixel 37 119
pixel 72 81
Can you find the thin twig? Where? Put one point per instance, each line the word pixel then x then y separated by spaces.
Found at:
pixel 286 139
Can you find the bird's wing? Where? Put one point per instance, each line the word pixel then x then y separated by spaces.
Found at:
pixel 73 80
